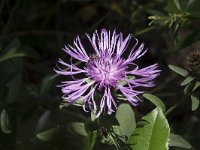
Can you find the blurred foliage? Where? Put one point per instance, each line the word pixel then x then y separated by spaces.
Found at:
pixel 31 36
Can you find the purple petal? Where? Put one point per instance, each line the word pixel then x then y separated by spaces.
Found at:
pixel 78 92
pixel 75 54
pixel 130 94
pixel 88 98
pixel 122 44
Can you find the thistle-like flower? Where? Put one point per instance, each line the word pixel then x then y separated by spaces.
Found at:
pixel 107 72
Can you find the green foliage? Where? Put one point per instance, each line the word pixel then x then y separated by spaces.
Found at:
pixel 48 135
pixel 33 32
pixel 191 85
pixel 187 80
pixel 155 100
pixel 126 118
pixel 90 140
pixel 177 15
pixel 197 85
pixel 152 132
pixel 179 70
pixel 178 141
pixel 4 122
pixel 195 102
pixel 14 50
pixel 79 128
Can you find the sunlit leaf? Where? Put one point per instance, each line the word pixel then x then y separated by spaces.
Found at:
pixel 178 141
pixel 195 102
pixel 155 100
pixel 126 118
pixel 5 127
pixel 152 132
pixel 179 70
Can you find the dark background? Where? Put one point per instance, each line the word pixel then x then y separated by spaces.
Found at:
pixel 32 34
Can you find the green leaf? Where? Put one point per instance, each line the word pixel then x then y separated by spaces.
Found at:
pixel 155 100
pixel 48 135
pixel 93 115
pixel 179 70
pixel 152 132
pixel 178 141
pixel 187 81
pixel 186 89
pixel 145 30
pixel 14 43
pixel 195 102
pixel 29 52
pixel 14 49
pixel 193 6
pixel 182 4
pixel 118 131
pixel 5 122
pixel 126 118
pixel 79 128
pixel 47 83
pixel 173 6
pixel 197 84
pixel 89 141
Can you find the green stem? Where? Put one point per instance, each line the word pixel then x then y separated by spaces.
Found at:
pixel 176 105
pixel 172 108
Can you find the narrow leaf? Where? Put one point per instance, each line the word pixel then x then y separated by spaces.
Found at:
pixel 173 6
pixel 152 132
pixel 48 135
pixel 5 122
pixel 187 81
pixel 195 102
pixel 126 118
pixel 197 84
pixel 179 70
pixel 155 100
pixel 178 141
pixel 186 89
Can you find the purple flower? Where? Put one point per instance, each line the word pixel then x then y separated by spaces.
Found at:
pixel 106 72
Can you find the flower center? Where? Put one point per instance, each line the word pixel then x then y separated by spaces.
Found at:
pixel 106 70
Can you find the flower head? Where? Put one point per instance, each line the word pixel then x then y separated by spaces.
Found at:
pixel 193 62
pixel 106 72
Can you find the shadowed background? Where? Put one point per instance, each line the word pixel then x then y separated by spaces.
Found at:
pixel 32 34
